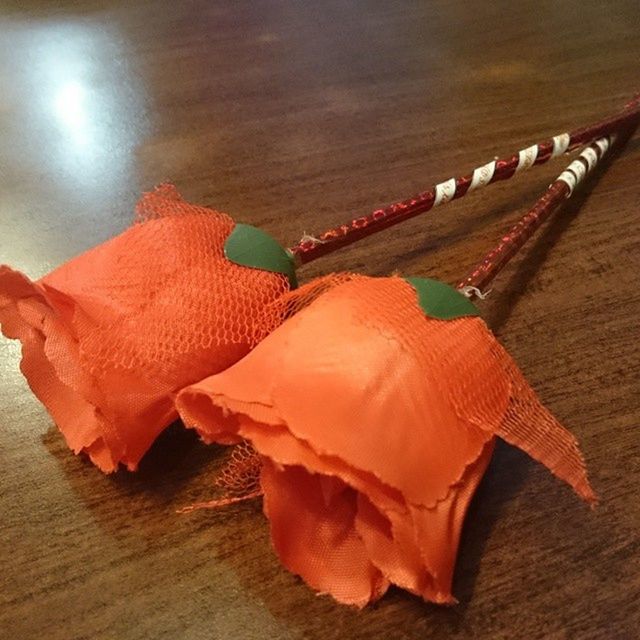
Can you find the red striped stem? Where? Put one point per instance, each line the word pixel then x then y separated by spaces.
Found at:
pixel 310 247
pixel 557 193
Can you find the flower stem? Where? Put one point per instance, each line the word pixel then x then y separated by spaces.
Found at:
pixel 311 247
pixel 558 192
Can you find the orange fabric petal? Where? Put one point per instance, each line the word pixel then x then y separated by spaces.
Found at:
pixel 417 550
pixel 480 380
pixel 111 336
pixel 361 389
pixel 312 529
pixel 341 377
pixel 414 547
pixel 438 530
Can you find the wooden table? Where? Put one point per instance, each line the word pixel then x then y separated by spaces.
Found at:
pixel 295 116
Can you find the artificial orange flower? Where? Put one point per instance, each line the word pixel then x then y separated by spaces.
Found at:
pixel 375 409
pixel 110 337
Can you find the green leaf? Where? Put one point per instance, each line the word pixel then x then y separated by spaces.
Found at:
pixel 439 300
pixel 252 247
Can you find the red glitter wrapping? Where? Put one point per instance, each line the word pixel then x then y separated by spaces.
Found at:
pixel 509 244
pixel 512 241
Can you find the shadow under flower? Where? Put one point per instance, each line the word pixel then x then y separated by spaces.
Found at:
pixel 177 471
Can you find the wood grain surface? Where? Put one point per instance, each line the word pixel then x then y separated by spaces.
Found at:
pixel 294 116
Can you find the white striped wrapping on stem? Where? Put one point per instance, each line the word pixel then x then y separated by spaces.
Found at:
pixel 575 173
pixel 483 175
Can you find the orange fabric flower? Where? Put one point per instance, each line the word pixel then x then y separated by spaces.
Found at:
pixel 110 337
pixel 375 423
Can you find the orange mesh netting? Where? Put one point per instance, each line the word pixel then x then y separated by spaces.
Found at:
pixel 110 337
pixel 375 424
pixel 238 479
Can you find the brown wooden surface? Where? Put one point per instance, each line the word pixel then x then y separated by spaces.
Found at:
pixel 293 116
